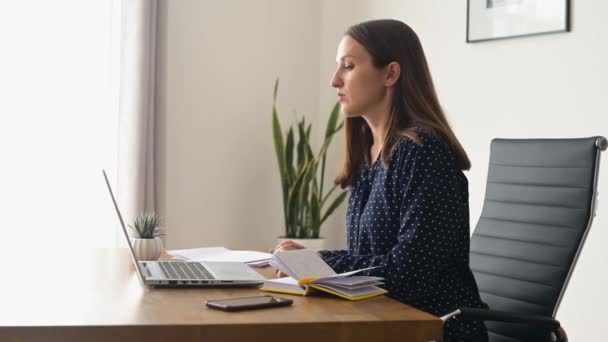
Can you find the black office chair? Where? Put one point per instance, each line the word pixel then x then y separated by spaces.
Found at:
pixel 539 204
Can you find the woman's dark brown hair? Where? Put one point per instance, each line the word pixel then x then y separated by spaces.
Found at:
pixel 414 100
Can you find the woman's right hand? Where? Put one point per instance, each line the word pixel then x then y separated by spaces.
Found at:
pixel 285 245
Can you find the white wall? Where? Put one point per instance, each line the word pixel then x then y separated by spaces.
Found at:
pixel 218 179
pixel 544 86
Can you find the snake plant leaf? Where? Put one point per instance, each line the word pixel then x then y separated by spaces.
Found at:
pixel 315 211
pixel 276 88
pixel 308 129
pixel 333 119
pixel 309 154
pixel 323 150
pixel 310 175
pixel 328 194
pixel 296 187
pixel 335 204
pixel 289 156
pixel 339 126
pixel 279 147
pixel 278 142
pixel 306 188
pixel 301 142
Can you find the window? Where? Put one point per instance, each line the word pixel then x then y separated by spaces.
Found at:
pixel 58 121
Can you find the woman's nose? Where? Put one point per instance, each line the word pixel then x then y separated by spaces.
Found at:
pixel 336 82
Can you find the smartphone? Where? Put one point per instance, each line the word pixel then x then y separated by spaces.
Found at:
pixel 248 303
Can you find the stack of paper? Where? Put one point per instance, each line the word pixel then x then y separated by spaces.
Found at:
pixel 251 258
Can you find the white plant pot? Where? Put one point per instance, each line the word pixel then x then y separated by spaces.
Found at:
pixel 312 244
pixel 147 249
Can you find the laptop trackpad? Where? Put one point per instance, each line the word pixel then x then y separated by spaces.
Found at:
pixel 231 271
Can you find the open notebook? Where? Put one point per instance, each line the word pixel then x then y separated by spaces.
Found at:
pixel 308 272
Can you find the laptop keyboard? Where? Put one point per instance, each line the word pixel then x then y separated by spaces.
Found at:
pixel 185 270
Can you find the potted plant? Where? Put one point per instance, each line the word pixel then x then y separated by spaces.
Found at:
pixel 304 195
pixel 147 245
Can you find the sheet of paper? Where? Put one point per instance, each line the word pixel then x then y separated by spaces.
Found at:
pixel 196 253
pixel 241 256
pixel 219 254
pixel 261 263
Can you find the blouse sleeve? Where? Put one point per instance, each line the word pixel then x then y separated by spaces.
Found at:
pixel 330 255
pixel 428 208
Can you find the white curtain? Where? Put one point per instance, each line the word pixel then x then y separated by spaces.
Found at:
pixel 136 138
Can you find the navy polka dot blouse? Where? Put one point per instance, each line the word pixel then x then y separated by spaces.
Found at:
pixel 412 219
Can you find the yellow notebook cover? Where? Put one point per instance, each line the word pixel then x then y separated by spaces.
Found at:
pixel 289 285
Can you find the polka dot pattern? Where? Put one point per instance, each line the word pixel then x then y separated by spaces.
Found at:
pixel 412 220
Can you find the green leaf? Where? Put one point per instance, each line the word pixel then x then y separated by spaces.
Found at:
pixel 308 129
pixel 277 134
pixel 301 142
pixel 339 126
pixel 309 154
pixel 296 186
pixel 146 226
pixel 335 204
pixel 333 119
pixel 329 193
pixel 315 210
pixel 306 187
pixel 289 156
pixel 276 88
pixel 323 150
pixel 278 142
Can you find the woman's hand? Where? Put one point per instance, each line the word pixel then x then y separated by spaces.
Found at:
pixel 285 245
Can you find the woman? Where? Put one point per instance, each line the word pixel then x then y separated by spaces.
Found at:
pixel 408 207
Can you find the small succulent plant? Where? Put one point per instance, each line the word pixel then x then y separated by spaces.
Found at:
pixel 147 226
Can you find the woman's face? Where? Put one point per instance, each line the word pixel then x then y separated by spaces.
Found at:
pixel 360 85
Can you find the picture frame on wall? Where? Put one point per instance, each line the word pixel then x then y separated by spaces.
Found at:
pixel 499 19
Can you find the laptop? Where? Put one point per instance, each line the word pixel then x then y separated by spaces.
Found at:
pixel 181 273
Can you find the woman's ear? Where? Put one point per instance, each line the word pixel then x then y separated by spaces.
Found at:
pixel 393 72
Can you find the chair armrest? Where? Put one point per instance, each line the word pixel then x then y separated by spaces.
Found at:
pixel 510 317
pixel 504 316
pixel 549 323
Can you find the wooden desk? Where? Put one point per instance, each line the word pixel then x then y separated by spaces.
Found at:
pixel 96 296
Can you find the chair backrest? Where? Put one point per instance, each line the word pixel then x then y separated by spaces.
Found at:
pixel 538 207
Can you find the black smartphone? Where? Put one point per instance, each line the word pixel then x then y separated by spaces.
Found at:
pixel 248 303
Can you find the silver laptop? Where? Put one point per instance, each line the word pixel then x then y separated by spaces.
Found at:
pixel 187 273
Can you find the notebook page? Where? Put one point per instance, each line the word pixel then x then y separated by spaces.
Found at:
pixel 346 274
pixel 304 263
pixel 285 280
pixel 351 281
pixel 279 265
pixel 353 293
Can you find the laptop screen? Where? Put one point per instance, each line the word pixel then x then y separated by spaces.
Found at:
pixel 124 229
